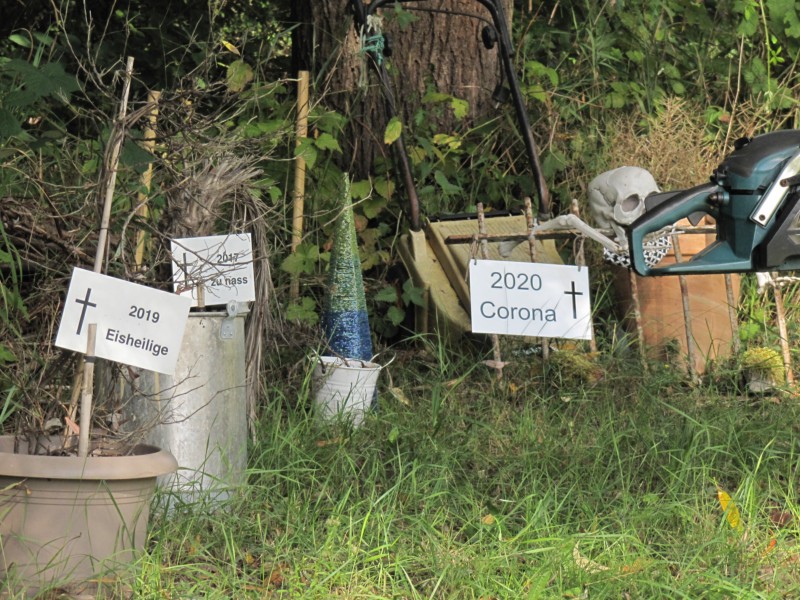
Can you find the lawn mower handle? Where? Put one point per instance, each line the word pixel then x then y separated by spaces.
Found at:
pixel 499 21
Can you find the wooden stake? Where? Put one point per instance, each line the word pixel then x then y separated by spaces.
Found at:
pixel 580 260
pixel 299 189
pixel 780 315
pixel 201 295
pixel 687 315
pixel 637 317
pixel 497 362
pixel 149 144
pixel 86 396
pixel 732 316
pixel 115 141
pixel 532 246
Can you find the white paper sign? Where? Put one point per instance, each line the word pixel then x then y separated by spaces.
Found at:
pixel 223 264
pixel 530 299
pixel 136 325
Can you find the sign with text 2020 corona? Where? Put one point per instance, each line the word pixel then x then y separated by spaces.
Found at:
pixel 136 325
pixel 531 299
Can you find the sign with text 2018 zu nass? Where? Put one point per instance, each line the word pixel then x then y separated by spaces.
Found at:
pixel 531 299
pixel 136 325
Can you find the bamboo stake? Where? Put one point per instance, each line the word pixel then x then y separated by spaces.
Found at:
pixel 497 363
pixel 299 172
pixel 149 144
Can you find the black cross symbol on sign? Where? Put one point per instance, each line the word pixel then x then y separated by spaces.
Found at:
pixel 185 267
pixel 574 293
pixel 86 305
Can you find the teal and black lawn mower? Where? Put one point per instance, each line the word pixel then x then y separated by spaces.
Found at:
pixel 754 198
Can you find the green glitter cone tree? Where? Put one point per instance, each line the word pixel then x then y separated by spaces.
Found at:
pixel 345 322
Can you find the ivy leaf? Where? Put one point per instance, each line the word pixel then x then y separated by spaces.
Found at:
pixel 413 294
pixel 387 294
pixel 9 125
pixel 302 260
pixel 327 142
pixel 373 206
pixel 403 17
pixel 384 187
pixel 304 311
pixel 447 187
pixel 393 130
pixel 135 156
pixel 436 97
pixel 238 75
pixel 360 189
pixel 460 107
pixel 395 315
pixel 307 150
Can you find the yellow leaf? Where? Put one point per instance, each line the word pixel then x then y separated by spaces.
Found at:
pixel 729 508
pixel 586 564
pixel 488 519
pixel 393 130
pixel 231 48
pixel 400 395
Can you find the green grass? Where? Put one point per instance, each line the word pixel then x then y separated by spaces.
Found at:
pixel 475 491
pixel 480 490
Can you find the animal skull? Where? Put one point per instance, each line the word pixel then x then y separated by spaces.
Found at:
pixel 616 198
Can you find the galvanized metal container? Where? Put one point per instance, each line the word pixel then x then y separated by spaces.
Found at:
pixel 199 414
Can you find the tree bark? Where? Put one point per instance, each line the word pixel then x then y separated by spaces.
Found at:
pixel 436 51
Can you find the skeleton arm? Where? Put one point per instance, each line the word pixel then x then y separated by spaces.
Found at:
pixel 563 222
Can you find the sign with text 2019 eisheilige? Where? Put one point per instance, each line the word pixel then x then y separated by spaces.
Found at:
pixel 531 299
pixel 136 325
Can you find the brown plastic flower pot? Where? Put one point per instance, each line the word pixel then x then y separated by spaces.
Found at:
pixel 65 519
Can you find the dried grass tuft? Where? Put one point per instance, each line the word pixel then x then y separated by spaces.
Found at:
pixel 672 145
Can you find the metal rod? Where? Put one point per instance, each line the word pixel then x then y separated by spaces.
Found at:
pixel 561 234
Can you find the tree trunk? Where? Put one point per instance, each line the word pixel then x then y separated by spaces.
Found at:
pixel 435 51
